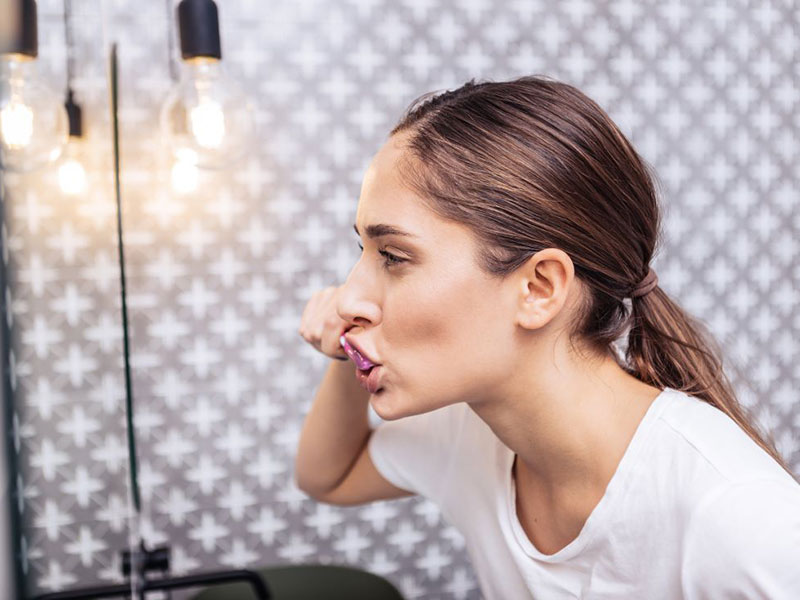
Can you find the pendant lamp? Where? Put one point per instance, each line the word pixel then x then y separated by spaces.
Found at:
pixel 71 173
pixel 33 122
pixel 207 119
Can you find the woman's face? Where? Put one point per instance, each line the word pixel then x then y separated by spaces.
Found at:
pixel 440 328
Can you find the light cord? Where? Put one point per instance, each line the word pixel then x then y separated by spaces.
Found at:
pixel 69 44
pixel 173 70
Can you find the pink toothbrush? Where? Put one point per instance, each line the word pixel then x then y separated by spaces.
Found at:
pixel 361 362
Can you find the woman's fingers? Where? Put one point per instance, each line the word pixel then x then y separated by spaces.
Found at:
pixel 320 324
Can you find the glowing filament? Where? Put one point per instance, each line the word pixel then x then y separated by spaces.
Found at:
pixel 16 121
pixel 72 177
pixel 208 124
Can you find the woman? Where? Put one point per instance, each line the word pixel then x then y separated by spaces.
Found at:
pixel 507 232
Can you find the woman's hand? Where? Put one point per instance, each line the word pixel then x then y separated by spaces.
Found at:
pixel 321 325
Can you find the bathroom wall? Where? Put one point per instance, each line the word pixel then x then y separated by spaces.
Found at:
pixel 218 278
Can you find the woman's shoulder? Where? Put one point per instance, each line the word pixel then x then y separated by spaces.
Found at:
pixel 701 433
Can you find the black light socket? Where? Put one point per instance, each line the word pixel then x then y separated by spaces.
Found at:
pixel 24 36
pixel 74 115
pixel 198 24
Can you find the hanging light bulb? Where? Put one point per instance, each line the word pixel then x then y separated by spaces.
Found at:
pixel 71 174
pixel 33 123
pixel 206 112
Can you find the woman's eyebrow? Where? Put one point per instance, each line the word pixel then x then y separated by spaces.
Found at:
pixel 381 229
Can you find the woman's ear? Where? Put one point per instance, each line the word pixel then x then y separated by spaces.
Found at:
pixel 544 282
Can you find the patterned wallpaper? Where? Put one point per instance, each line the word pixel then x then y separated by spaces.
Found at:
pixel 218 278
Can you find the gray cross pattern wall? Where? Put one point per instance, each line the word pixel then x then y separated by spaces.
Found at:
pixel 218 278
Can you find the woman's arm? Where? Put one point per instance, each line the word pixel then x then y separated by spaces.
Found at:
pixel 334 432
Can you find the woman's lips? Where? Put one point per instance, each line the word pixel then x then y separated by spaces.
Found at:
pixel 367 372
pixel 369 379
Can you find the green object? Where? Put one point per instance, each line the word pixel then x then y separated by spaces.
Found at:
pixel 310 582
pixel 124 303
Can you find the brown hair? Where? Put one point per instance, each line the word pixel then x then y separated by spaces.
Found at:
pixel 533 163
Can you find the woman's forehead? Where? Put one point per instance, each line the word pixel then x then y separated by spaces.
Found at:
pixel 392 211
pixel 387 200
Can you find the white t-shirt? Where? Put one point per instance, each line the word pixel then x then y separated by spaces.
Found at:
pixel 695 509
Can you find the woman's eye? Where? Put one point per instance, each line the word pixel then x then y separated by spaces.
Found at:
pixel 390 259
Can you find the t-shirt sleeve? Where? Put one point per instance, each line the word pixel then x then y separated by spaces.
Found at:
pixel 414 452
pixel 744 542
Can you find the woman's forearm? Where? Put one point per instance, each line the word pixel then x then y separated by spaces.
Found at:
pixel 334 431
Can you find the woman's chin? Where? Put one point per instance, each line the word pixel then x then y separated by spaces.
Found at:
pixel 389 406
pixel 383 407
pixel 376 402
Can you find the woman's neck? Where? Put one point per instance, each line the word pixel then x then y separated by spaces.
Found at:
pixel 568 421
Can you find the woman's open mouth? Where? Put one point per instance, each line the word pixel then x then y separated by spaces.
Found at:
pixel 367 373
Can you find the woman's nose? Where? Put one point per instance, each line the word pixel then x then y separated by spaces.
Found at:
pixel 354 306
